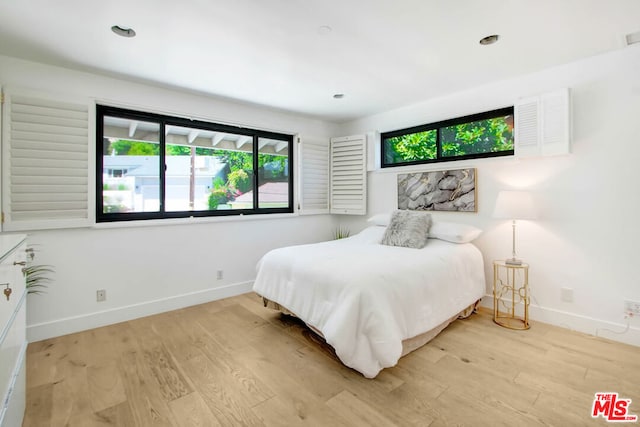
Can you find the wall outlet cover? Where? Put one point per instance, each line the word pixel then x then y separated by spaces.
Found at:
pixel 566 294
pixel 632 308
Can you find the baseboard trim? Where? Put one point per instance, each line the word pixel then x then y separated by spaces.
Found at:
pixel 619 332
pixel 69 325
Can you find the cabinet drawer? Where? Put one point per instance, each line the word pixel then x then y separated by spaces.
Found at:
pixel 14 412
pixel 11 274
pixel 11 351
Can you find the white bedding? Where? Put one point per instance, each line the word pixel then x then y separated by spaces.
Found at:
pixel 366 298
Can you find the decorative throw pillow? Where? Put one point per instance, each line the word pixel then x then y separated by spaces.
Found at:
pixel 409 229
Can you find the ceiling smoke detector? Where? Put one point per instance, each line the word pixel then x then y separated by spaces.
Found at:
pixel 123 31
pixel 489 39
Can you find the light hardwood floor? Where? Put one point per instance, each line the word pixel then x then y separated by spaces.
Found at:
pixel 233 362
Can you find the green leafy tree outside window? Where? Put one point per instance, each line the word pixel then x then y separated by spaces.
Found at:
pixel 125 147
pixel 482 136
pixel 414 146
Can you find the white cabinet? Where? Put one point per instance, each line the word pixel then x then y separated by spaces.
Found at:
pixel 13 342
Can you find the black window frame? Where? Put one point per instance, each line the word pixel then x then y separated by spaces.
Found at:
pixel 163 121
pixel 437 126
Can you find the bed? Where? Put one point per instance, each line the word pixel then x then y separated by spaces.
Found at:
pixel 372 302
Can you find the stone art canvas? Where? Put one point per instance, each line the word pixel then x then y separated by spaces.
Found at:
pixel 448 190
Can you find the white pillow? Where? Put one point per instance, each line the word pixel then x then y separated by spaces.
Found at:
pixel 449 231
pixel 380 219
pixel 453 232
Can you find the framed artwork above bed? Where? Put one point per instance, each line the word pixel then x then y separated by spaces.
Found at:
pixel 445 190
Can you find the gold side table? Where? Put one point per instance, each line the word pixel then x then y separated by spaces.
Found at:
pixel 510 289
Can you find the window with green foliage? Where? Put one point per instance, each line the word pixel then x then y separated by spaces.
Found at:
pixel 486 134
pixel 151 166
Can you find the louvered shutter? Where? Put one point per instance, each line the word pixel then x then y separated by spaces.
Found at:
pixel 348 161
pixel 543 124
pixel 313 176
pixel 45 151
pixel 555 135
pixel 527 133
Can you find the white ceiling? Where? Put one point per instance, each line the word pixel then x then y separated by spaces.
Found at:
pixel 382 54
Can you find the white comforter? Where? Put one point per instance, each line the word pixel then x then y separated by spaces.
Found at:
pixel 366 298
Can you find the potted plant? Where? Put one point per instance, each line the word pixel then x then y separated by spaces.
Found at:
pixel 37 276
pixel 341 233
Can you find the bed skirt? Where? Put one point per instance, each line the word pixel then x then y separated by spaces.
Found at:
pixel 409 344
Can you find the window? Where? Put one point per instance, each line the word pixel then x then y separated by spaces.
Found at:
pixel 153 166
pixel 487 134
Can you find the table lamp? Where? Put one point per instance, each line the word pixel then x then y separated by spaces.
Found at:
pixel 514 205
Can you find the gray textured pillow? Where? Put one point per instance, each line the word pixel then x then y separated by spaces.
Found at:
pixel 409 229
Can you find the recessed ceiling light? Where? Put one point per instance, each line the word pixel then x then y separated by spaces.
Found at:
pixel 489 39
pixel 122 31
pixel 323 30
pixel 338 95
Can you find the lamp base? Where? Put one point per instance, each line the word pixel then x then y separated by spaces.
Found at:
pixel 513 261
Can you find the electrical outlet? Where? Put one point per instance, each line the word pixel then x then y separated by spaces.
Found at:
pixel 566 294
pixel 101 295
pixel 219 275
pixel 632 308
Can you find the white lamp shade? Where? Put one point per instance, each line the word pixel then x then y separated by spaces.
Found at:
pixel 514 205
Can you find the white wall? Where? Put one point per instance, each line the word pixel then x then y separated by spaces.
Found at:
pixel 166 265
pixel 586 239
pixel 588 234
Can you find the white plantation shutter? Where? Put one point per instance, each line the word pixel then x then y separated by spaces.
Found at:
pixel 348 160
pixel 45 148
pixel 555 123
pixel 527 132
pixel 543 124
pixel 313 176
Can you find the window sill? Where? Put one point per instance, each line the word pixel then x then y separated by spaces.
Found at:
pixel 453 164
pixel 191 220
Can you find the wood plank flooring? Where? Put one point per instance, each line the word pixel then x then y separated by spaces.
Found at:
pixel 234 363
